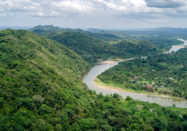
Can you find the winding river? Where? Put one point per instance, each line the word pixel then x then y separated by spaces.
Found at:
pixel 98 69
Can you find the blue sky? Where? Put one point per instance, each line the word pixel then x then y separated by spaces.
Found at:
pixel 106 14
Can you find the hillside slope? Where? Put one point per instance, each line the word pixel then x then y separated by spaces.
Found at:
pixel 88 47
pixel 37 79
pixel 91 49
pixel 41 89
pixel 135 48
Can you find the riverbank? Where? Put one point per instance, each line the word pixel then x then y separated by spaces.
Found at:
pixel 101 84
pixel 175 48
pixel 113 61
pixel 99 68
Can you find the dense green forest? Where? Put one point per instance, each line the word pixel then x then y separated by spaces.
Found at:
pixel 91 49
pixel 41 89
pixel 164 74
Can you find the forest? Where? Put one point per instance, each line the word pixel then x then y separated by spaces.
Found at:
pixel 41 89
pixel 92 47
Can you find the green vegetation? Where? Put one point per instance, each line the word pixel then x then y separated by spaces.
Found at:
pixel 135 48
pixel 164 74
pixel 41 89
pixel 164 43
pixel 91 49
pixel 162 38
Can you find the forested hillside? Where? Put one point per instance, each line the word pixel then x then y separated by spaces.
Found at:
pixel 136 48
pixel 164 74
pixel 41 89
pixel 91 49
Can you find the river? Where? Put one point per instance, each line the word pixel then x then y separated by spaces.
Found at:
pixel 98 69
pixel 175 48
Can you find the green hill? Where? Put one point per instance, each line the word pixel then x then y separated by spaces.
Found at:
pixel 135 48
pixel 37 79
pixel 45 29
pixel 88 47
pixel 91 49
pixel 41 89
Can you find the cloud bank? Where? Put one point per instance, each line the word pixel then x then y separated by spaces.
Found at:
pixel 95 13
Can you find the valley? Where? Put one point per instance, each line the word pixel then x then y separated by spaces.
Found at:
pixel 41 85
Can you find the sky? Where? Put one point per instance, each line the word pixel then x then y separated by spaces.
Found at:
pixel 105 14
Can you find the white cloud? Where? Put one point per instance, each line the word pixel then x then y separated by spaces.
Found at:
pixel 122 5
pixel 58 7
pixel 94 11
pixel 73 5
